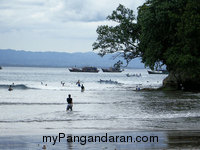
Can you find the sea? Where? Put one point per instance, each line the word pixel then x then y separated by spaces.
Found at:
pixel 110 103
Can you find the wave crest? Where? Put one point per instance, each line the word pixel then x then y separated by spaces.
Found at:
pixel 17 86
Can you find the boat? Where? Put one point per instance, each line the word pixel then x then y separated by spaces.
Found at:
pixel 133 75
pixel 0 67
pixel 108 81
pixel 90 69
pixel 84 69
pixel 111 70
pixel 75 70
pixel 158 72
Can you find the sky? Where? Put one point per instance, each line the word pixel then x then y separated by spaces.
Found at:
pixel 55 25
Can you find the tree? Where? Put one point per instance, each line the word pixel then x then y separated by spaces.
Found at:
pixel 167 33
pixel 121 38
pixel 170 34
pixel 118 65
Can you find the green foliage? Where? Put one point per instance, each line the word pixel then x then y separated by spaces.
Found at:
pixel 170 33
pixel 121 38
pixel 166 32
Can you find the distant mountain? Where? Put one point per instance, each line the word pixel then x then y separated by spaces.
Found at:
pixel 9 57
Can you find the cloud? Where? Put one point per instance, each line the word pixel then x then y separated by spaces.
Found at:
pixel 54 24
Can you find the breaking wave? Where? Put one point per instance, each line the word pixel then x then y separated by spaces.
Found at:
pixel 17 86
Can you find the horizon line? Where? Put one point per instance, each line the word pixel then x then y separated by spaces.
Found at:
pixel 49 51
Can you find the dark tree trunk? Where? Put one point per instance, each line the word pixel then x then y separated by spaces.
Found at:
pixel 180 81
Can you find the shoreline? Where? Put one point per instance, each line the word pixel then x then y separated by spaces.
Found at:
pixel 167 89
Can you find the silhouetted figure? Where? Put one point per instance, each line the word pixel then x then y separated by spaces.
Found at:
pixel 10 88
pixel 70 102
pixel 82 88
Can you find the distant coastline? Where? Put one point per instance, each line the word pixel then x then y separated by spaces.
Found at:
pixel 21 58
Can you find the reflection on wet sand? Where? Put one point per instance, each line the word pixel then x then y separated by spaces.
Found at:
pixel 183 139
pixel 69 143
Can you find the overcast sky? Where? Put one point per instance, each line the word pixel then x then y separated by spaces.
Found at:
pixel 55 25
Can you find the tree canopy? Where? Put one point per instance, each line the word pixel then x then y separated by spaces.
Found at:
pixel 165 32
pixel 170 33
pixel 121 38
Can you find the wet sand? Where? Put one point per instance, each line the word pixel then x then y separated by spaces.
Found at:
pixel 166 140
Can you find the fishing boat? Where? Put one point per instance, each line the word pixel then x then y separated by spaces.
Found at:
pixel 158 72
pixel 84 69
pixel 133 75
pixel 111 70
pixel 75 70
pixel 90 69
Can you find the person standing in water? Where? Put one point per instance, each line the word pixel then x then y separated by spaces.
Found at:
pixel 82 88
pixel 78 83
pixel 70 102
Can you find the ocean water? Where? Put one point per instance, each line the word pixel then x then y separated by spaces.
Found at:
pixel 33 108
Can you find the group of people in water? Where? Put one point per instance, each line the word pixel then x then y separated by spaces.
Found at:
pixel 43 84
pixel 79 85
pixel 63 84
pixel 69 99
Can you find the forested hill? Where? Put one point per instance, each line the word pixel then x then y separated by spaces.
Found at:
pixel 10 57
